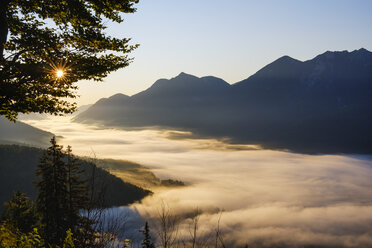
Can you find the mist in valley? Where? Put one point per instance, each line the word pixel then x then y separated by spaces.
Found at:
pixel 262 197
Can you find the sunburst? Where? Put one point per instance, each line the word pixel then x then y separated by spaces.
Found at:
pixel 59 70
pixel 60 73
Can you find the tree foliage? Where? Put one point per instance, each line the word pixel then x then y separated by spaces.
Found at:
pixel 48 45
pixel 52 202
pixel 10 239
pixel 147 241
pixel 19 163
pixel 76 190
pixel 32 239
pixel 20 213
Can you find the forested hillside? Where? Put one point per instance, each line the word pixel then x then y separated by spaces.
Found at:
pixel 17 173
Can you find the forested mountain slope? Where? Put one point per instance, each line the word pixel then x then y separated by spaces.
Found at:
pixel 17 173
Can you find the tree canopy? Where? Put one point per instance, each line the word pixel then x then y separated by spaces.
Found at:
pixel 46 46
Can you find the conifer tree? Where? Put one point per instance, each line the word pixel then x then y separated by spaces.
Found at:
pixel 77 199
pixel 20 213
pixel 147 243
pixel 77 191
pixel 52 194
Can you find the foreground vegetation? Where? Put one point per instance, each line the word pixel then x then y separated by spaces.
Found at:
pixel 17 173
pixel 69 210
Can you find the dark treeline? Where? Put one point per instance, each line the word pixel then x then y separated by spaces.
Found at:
pixel 17 173
pixel 70 195
pixel 69 208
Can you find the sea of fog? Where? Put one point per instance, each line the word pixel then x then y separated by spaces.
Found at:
pixel 265 196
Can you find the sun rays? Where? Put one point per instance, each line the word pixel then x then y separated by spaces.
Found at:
pixel 59 71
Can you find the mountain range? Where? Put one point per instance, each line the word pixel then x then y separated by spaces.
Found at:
pixel 23 134
pixel 322 105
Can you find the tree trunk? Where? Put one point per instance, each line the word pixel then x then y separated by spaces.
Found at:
pixel 3 26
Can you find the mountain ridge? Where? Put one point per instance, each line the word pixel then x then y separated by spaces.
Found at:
pixel 22 133
pixel 305 106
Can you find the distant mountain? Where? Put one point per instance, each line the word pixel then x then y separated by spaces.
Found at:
pixel 32 116
pixel 22 133
pixel 323 105
pixel 38 116
pixel 17 173
pixel 81 109
pixel 177 102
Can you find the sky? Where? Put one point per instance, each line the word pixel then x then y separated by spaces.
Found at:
pixel 228 39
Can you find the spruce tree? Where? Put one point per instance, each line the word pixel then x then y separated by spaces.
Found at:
pixel 77 191
pixel 77 199
pixel 147 243
pixel 52 194
pixel 20 213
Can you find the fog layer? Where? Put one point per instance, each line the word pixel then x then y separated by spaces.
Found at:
pixel 267 197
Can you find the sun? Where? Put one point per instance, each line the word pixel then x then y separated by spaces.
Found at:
pixel 59 73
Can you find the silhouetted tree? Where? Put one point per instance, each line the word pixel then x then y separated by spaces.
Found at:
pixel 20 213
pixel 193 230
pixel 52 202
pixel 47 46
pixel 77 199
pixel 167 226
pixel 219 236
pixel 147 242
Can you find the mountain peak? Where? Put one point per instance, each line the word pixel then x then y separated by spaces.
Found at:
pixel 362 51
pixel 181 78
pixel 114 99
pixel 286 58
pixel 279 66
pixel 118 96
pixel 331 55
pixel 185 75
pixel 283 61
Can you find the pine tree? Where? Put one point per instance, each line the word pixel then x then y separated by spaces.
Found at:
pixel 77 191
pixel 147 243
pixel 77 199
pixel 20 213
pixel 52 194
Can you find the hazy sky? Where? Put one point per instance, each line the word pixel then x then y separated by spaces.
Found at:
pixel 229 39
